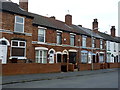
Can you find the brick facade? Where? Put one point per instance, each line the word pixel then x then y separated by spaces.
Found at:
pixel 30 35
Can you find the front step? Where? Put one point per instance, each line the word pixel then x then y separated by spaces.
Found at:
pixel 75 70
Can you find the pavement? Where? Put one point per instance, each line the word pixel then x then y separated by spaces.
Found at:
pixel 50 76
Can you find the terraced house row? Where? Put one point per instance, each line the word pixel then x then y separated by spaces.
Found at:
pixel 31 43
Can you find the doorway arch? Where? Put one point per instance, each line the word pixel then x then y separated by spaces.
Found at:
pixel 4 43
pixel 51 54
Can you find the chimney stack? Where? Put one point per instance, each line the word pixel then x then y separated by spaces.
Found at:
pixel 68 19
pixel 52 17
pixel 113 31
pixel 23 4
pixel 95 25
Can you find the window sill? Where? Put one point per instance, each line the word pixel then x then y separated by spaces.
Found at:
pixel 17 57
pixel 19 33
pixel 41 42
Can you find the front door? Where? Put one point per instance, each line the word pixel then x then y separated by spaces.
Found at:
pixel 51 58
pixel 3 54
pixel 72 57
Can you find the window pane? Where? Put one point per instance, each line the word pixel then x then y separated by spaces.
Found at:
pixel 41 35
pixel 14 43
pixel 19 27
pixel 19 19
pixel 22 43
pixel 3 43
pixel 18 52
pixel 41 38
pixel 44 56
pixel 59 38
pixel 72 40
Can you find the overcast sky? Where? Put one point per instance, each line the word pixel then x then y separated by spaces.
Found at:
pixel 83 11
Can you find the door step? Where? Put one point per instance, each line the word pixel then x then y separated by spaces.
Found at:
pixel 75 70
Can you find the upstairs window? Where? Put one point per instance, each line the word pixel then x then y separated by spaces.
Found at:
pixel 18 48
pixel 41 35
pixel 114 47
pixel 72 40
pixel 93 42
pixel 19 24
pixel 84 41
pixel 59 38
pixel 108 45
pixel 101 44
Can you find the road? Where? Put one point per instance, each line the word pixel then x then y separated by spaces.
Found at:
pixel 102 80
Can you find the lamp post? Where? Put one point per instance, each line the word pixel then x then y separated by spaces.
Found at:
pixel 92 50
pixel 79 55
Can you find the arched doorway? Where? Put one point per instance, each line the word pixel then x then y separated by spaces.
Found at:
pixel 65 56
pixel 58 57
pixel 4 43
pixel 51 55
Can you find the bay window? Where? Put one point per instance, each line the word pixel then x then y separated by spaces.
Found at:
pixel 41 56
pixel 18 48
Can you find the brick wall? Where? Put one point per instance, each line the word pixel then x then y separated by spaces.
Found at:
pixel 24 68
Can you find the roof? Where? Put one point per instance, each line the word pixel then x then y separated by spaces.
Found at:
pixel 91 33
pixel 53 23
pixel 108 37
pixel 13 8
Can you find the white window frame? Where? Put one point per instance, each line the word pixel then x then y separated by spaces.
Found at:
pixel 44 34
pixel 101 44
pixel 82 59
pixel 19 57
pixel 19 23
pixel 61 37
pixel 93 42
pixel 72 34
pixel 114 47
pixel 43 51
pixel 108 45
pixel 84 43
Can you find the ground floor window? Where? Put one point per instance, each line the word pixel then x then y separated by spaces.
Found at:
pixel 108 57
pixel 84 57
pixel 41 56
pixel 101 58
pixel 18 48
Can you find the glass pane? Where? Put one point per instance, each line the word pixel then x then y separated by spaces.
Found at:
pixel 41 38
pixel 44 56
pixel 22 43
pixel 41 31
pixel 3 43
pixel 14 43
pixel 59 40
pixel 19 27
pixel 19 19
pixel 37 53
pixel 18 52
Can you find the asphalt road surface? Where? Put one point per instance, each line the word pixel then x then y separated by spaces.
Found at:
pixel 102 80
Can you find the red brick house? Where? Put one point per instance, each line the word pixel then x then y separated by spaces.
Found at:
pixel 44 44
